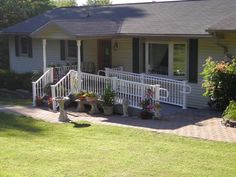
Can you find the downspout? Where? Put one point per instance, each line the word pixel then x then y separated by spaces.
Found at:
pixel 225 48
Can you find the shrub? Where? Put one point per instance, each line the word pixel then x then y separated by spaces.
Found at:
pixel 12 81
pixel 230 112
pixel 219 82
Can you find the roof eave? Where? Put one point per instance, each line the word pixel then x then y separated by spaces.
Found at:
pixel 221 30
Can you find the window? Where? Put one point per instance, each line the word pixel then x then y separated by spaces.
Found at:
pixel 158 58
pixel 179 60
pixel 167 58
pixel 71 49
pixel 23 46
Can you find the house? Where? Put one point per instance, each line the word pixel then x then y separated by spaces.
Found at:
pixel 170 39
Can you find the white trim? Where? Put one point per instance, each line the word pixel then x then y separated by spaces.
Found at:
pixel 44 55
pixel 78 55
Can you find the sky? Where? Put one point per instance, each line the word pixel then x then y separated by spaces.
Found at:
pixel 82 2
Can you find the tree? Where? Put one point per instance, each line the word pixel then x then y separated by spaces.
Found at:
pixel 98 2
pixel 65 3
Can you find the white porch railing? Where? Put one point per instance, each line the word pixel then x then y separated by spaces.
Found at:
pixel 38 87
pixel 132 91
pixel 94 83
pixel 65 86
pixel 61 71
pixel 177 89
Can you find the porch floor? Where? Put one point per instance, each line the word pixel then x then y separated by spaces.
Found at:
pixel 195 123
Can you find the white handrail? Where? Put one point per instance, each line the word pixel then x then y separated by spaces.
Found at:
pixel 130 90
pixel 177 90
pixel 38 87
pixel 65 86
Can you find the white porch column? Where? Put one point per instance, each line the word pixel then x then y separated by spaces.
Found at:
pixel 44 56
pixel 79 56
pixel 146 57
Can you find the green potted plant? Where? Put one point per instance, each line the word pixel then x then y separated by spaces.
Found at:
pixel 108 100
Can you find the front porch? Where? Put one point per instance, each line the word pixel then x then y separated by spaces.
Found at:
pixel 162 62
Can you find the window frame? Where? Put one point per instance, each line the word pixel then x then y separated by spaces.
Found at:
pixel 67 50
pixel 20 46
pixel 170 58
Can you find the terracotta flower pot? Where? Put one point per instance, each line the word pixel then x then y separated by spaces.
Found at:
pixel 91 99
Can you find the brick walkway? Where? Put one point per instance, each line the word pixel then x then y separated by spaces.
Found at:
pixel 190 123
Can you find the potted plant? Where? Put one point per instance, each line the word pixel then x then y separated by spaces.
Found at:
pixel 90 97
pixel 81 95
pixel 147 105
pixel 108 100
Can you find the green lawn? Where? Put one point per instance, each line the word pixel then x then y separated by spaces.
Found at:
pixel 10 101
pixel 39 149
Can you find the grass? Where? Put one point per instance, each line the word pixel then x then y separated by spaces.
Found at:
pixel 17 102
pixel 39 149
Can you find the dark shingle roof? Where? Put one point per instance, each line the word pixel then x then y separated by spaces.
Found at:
pixel 166 18
pixel 225 24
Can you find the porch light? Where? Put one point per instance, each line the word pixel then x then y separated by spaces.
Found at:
pixel 116 45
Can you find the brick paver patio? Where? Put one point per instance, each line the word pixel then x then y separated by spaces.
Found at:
pixel 202 124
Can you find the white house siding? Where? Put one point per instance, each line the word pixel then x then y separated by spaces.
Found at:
pixel 123 55
pixel 26 64
pixel 208 47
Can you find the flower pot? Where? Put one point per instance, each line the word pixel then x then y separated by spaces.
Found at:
pixel 82 98
pixel 108 110
pixel 91 99
pixel 146 115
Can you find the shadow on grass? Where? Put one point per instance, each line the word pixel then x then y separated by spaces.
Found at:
pixel 19 123
pixel 80 125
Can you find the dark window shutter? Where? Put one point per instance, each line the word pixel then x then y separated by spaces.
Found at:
pixel 144 57
pixel 136 55
pixel 30 47
pixel 63 49
pixel 193 60
pixel 17 45
pixel 82 51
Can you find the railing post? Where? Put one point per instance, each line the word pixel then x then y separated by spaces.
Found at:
pixel 142 78
pixel 106 72
pixel 184 95
pixel 51 75
pixel 79 75
pixel 54 106
pixel 114 83
pixel 34 93
pixel 157 93
pixel 72 81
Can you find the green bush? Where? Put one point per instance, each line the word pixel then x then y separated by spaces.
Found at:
pixel 12 81
pixel 219 82
pixel 230 112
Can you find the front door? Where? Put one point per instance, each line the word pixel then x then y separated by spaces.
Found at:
pixel 104 54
